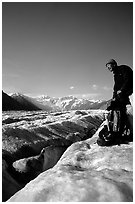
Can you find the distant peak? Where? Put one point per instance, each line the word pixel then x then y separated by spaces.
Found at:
pixel 17 94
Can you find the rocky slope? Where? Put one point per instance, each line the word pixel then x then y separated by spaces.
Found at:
pixel 25 134
pixel 8 103
pixel 30 102
pixel 17 103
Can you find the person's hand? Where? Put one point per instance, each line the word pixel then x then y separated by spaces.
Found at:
pixel 119 93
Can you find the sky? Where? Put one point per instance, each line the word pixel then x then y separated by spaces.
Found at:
pixel 61 48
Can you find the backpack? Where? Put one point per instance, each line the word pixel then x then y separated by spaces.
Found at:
pixel 114 121
pixel 113 128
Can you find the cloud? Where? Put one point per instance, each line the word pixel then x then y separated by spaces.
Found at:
pixel 88 95
pixel 72 87
pixel 95 87
pixel 106 88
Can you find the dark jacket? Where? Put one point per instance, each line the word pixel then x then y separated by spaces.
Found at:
pixel 123 81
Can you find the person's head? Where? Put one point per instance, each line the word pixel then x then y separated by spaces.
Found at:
pixel 111 65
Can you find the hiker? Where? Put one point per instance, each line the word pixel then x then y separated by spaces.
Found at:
pixel 123 88
pixel 118 118
pixel 123 82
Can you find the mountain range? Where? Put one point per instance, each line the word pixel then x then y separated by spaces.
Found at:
pixel 19 101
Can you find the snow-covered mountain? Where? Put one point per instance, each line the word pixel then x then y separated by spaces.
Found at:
pixel 46 100
pixel 71 103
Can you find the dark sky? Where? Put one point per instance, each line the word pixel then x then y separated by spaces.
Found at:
pixel 60 48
